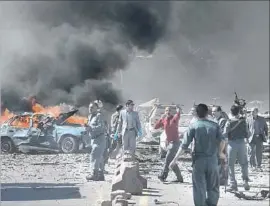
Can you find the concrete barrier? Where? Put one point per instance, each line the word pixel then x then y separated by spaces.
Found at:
pixel 127 179
pixel 127 176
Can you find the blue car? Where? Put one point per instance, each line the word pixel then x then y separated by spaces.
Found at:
pixel 34 132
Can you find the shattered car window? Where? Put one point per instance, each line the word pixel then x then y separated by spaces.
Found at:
pixel 21 122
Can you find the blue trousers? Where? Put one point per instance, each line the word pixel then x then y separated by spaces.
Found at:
pixel 205 180
pixel 98 146
pixel 237 150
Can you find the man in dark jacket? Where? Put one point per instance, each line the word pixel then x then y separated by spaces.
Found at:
pixel 258 130
pixel 236 131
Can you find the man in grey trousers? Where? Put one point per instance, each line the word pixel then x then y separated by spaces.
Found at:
pixel 208 144
pixel 258 131
pixel 236 131
pixel 96 130
pixel 170 125
pixel 129 127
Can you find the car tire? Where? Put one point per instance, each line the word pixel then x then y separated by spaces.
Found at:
pixel 7 146
pixel 69 145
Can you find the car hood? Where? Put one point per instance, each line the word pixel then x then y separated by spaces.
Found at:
pixel 64 116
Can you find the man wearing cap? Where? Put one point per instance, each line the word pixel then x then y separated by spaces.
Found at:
pixel 258 131
pixel 129 127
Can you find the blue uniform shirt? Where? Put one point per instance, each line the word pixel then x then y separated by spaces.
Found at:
pixel 207 135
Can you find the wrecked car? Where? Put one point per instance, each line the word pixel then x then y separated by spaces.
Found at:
pixel 41 133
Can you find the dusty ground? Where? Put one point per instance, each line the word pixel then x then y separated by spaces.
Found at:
pixel 39 180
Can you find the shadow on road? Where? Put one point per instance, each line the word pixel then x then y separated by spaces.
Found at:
pixel 39 191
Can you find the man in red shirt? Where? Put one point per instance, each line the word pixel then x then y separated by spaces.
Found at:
pixel 170 124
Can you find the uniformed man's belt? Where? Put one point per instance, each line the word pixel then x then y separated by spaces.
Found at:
pixel 130 129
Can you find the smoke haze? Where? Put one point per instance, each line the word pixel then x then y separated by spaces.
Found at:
pixel 211 49
pixel 72 51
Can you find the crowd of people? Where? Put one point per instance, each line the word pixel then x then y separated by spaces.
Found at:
pixel 218 143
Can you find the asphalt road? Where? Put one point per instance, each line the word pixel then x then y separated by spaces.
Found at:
pixel 59 180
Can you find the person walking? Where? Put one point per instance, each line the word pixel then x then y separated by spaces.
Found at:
pixel 258 132
pixel 170 125
pixel 96 131
pixel 208 144
pixel 236 130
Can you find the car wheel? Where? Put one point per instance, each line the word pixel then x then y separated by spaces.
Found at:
pixel 7 146
pixel 69 145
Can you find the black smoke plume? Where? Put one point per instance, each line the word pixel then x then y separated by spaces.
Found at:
pixel 69 50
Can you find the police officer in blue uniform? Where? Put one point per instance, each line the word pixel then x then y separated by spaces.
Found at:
pixel 208 145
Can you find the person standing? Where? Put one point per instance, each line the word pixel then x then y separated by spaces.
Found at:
pixel 170 125
pixel 96 131
pixel 116 142
pixel 194 115
pixel 258 131
pixel 209 142
pixel 236 130
pixel 218 118
pixel 107 147
pixel 129 127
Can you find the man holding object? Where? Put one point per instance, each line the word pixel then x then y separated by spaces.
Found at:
pixel 170 125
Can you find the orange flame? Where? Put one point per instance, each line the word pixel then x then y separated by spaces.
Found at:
pixel 5 116
pixel 55 111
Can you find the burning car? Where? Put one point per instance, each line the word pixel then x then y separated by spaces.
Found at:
pixel 41 133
